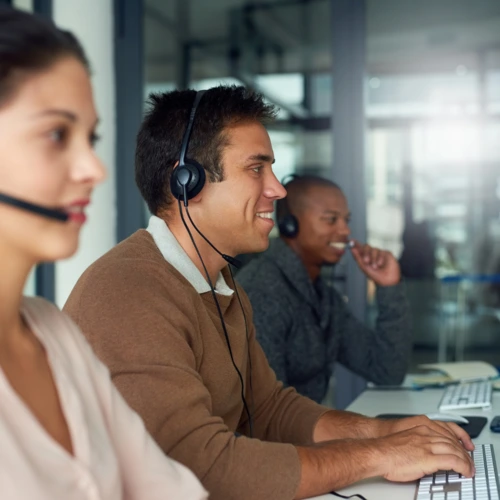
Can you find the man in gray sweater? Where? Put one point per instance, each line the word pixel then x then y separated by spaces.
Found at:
pixel 302 322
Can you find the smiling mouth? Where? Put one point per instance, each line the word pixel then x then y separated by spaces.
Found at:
pixel 341 245
pixel 265 215
pixel 338 245
pixel 76 211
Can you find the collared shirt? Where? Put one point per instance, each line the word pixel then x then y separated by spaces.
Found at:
pixel 114 458
pixel 175 255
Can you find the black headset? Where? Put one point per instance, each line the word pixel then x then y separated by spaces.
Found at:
pixel 188 179
pixel 288 224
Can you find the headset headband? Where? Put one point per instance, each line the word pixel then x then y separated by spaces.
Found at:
pixel 189 128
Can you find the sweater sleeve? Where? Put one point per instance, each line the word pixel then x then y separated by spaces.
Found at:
pixel 280 414
pixel 161 382
pixel 380 355
pixel 283 414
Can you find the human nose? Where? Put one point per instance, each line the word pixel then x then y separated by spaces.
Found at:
pixel 274 189
pixel 343 228
pixel 89 168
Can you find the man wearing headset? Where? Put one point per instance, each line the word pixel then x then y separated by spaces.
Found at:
pixel 162 311
pixel 302 323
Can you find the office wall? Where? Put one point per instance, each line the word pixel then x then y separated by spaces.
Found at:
pixel 92 21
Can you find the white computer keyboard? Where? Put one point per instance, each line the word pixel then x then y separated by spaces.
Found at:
pixel 449 485
pixel 467 395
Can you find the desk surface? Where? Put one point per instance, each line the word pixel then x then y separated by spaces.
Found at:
pixel 375 402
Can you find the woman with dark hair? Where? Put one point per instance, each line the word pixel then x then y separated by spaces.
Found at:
pixel 65 431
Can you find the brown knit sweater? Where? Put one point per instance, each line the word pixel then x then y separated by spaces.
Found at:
pixel 165 348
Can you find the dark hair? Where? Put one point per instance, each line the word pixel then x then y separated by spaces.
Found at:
pixel 29 44
pixel 296 193
pixel 162 130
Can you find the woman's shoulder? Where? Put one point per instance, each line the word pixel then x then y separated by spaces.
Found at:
pixel 41 310
pixel 54 327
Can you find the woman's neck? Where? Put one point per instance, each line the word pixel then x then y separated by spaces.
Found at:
pixel 14 271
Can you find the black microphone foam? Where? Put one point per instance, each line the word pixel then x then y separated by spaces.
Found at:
pixel 50 213
pixel 232 260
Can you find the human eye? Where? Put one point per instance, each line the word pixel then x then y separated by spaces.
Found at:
pixel 331 220
pixel 94 138
pixel 59 135
pixel 257 169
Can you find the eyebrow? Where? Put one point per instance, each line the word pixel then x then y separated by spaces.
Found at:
pixel 261 157
pixel 64 114
pixel 335 212
pixel 58 112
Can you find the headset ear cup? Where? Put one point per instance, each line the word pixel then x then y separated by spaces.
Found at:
pixel 289 226
pixel 191 174
pixel 197 180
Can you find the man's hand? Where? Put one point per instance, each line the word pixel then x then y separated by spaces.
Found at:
pixel 413 453
pixel 407 455
pixel 379 265
pixel 453 431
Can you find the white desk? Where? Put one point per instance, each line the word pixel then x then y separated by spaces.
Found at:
pixel 373 402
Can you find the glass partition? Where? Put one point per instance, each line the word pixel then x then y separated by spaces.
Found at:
pixel 433 169
pixel 432 143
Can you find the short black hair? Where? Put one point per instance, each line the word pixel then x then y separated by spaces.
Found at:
pixel 162 130
pixel 296 193
pixel 29 43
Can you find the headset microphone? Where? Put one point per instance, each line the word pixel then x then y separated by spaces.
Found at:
pixel 232 260
pixel 50 213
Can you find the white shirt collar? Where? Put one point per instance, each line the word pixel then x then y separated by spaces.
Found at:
pixel 175 255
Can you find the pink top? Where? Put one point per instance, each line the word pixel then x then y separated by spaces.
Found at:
pixel 115 458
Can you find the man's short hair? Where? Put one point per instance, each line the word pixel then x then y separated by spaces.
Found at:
pixel 297 192
pixel 162 130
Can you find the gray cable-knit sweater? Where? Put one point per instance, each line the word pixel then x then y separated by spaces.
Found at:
pixel 304 328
